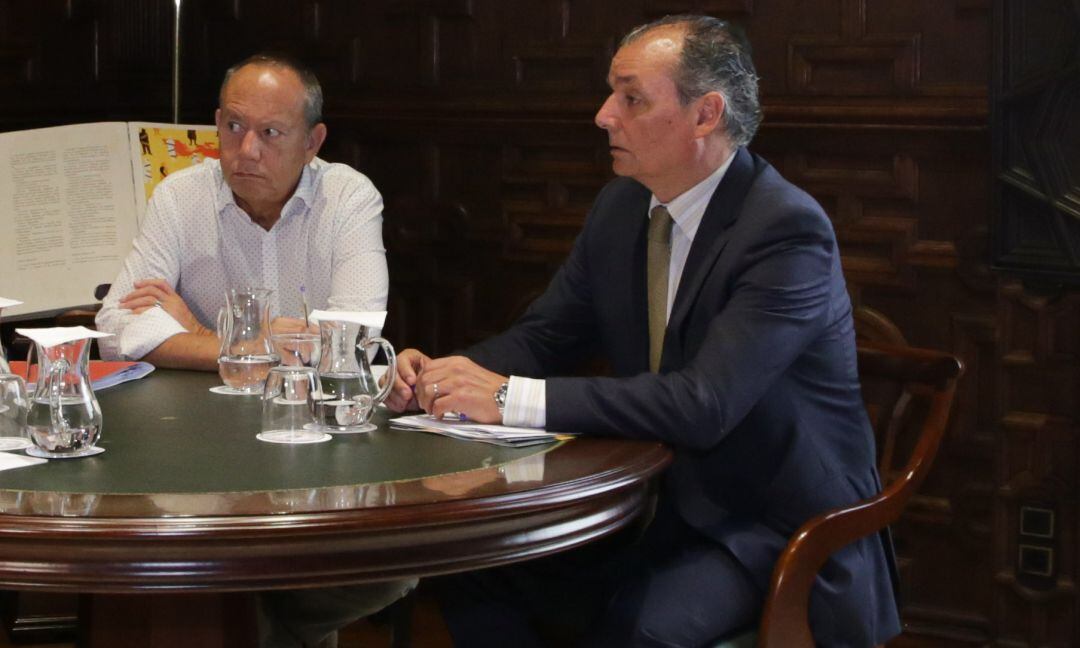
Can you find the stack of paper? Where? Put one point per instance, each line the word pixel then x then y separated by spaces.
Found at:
pixel 503 435
pixel 121 374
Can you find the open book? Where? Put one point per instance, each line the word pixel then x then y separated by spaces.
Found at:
pixel 72 198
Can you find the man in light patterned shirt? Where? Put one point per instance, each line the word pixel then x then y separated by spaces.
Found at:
pixel 270 214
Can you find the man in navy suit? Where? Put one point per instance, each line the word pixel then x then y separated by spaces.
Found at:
pixel 713 288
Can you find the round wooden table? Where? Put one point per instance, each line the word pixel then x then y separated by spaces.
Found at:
pixel 185 499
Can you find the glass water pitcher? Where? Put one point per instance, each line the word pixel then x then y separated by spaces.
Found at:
pixel 350 390
pixel 247 353
pixel 64 418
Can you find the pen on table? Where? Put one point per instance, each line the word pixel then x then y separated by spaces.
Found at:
pixel 303 300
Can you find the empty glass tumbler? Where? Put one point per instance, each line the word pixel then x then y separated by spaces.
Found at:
pixel 13 406
pixel 288 414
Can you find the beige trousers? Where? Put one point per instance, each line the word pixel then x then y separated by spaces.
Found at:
pixel 311 618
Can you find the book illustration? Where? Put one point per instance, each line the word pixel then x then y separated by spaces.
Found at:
pixel 167 149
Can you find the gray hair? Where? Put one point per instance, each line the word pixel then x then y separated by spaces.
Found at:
pixel 715 57
pixel 313 97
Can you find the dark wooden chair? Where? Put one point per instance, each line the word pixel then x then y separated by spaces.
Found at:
pixel 908 394
pixel 84 316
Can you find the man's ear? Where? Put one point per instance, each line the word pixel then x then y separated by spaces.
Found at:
pixel 315 138
pixel 217 120
pixel 710 113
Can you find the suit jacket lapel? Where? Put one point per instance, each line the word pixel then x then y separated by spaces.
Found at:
pixel 723 209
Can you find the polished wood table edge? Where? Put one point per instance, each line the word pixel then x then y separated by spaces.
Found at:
pixel 240 512
pixel 483 527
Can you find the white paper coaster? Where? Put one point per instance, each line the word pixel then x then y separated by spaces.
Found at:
pixel 289 437
pixel 230 391
pixel 87 452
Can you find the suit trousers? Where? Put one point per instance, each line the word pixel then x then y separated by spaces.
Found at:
pixel 311 618
pixel 670 587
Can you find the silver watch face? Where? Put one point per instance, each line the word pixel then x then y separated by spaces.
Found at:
pixel 500 396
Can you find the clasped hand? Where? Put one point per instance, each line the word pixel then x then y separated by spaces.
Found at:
pixel 444 385
pixel 157 293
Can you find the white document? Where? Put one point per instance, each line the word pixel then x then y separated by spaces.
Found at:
pixel 9 461
pixel 497 434
pixel 70 202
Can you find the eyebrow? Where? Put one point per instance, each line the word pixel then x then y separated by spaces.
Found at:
pixel 273 123
pixel 629 78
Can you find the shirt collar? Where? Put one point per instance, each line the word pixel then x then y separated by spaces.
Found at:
pixel 688 208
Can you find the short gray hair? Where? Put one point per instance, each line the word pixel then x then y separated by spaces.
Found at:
pixel 313 97
pixel 715 57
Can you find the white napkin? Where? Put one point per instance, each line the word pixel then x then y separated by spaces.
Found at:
pixel 373 319
pixel 4 303
pixel 60 334
pixel 9 461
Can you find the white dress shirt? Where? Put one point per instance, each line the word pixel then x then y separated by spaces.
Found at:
pixel 526 404
pixel 195 237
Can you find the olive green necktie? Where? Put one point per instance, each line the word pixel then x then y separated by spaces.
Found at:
pixel 657 262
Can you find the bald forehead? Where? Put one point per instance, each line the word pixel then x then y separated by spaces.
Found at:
pixel 660 46
pixel 269 77
pixel 665 40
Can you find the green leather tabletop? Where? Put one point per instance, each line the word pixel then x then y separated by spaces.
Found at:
pixel 167 433
pixel 186 498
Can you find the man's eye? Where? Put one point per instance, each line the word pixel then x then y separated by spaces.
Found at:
pixel 234 127
pixel 632 100
pixel 272 132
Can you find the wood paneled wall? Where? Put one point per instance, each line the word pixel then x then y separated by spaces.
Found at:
pixel 474 118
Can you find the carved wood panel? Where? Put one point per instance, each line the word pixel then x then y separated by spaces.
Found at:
pixel 1036 98
pixel 64 61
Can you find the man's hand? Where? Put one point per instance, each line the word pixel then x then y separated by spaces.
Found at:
pixel 457 384
pixel 152 293
pixel 410 363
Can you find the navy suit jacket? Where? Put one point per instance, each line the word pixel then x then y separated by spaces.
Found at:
pixel 758 390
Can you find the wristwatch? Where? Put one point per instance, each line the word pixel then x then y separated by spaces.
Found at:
pixel 500 397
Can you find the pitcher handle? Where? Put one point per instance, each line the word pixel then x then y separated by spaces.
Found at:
pixel 31 356
pixel 224 323
pixel 56 387
pixel 391 369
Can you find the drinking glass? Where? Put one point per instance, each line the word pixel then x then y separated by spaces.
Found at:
pixel 288 414
pixel 13 406
pixel 297 349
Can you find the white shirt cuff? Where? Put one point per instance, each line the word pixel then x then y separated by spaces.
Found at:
pixel 526 404
pixel 146 332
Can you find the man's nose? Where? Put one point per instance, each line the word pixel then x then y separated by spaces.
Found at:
pixel 604 117
pixel 249 145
